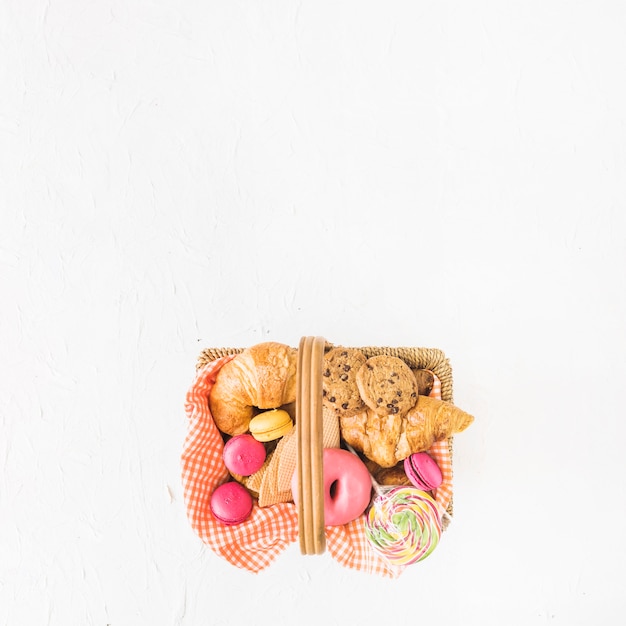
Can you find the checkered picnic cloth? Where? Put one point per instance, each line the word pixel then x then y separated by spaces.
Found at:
pixel 254 544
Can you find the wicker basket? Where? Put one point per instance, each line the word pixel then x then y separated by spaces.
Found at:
pixel 311 351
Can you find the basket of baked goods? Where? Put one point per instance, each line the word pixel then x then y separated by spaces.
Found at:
pixel 345 450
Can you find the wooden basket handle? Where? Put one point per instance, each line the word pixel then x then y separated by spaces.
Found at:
pixel 309 437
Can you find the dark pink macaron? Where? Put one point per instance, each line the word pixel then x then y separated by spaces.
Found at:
pixel 423 472
pixel 231 503
pixel 244 455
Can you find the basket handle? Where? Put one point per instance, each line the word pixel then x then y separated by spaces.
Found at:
pixel 309 436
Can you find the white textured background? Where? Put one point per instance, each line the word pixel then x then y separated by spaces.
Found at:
pixel 179 175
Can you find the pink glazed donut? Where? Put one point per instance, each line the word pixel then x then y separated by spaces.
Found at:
pixel 347 486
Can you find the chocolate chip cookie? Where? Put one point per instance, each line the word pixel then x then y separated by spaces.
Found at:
pixel 425 381
pixel 339 388
pixel 387 385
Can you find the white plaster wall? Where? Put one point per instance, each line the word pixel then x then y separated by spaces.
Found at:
pixel 179 175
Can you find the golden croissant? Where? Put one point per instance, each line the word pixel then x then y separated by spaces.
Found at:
pixel 388 439
pixel 263 376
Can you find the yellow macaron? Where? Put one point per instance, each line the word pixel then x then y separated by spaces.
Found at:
pixel 270 425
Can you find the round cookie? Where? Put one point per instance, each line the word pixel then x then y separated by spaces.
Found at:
pixel 425 381
pixel 387 385
pixel 339 389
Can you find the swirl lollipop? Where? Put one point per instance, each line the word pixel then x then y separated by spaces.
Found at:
pixel 403 525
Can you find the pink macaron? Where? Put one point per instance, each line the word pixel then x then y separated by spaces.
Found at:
pixel 244 455
pixel 231 503
pixel 423 472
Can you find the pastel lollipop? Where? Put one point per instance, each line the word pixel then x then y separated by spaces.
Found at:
pixel 403 525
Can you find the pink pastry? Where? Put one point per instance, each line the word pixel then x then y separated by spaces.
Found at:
pixel 244 455
pixel 231 503
pixel 347 486
pixel 423 472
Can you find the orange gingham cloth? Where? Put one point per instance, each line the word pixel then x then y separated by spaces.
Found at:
pixel 254 544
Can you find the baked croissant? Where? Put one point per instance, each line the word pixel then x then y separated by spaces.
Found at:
pixel 388 439
pixel 261 377
pixel 389 476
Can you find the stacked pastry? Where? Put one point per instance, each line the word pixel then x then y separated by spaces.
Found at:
pixel 384 409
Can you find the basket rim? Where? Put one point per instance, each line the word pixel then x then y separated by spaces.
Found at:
pixel 433 359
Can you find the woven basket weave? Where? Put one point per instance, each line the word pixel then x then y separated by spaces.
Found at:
pixel 431 359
